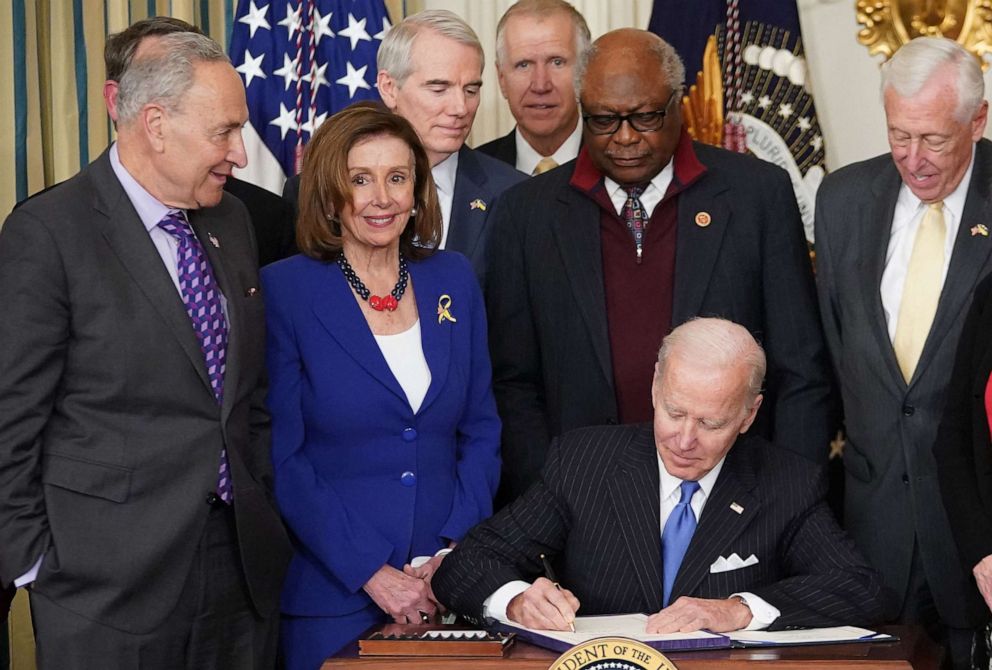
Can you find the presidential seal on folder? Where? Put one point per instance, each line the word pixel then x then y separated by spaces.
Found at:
pixel 607 653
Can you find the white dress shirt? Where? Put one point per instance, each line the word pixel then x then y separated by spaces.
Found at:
pixel 762 613
pixel 653 192
pixel 404 354
pixel 444 179
pixel 528 157
pixel 906 221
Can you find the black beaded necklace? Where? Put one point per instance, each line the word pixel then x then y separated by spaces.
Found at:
pixel 388 303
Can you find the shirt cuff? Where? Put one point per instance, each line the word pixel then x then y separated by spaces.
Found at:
pixel 495 605
pixel 417 561
pixel 762 613
pixel 30 575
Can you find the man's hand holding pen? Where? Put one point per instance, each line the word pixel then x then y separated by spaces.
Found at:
pixel 544 606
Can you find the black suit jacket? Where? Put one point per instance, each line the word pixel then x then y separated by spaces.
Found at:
pixel 502 148
pixel 892 497
pixel 596 510
pixel 479 183
pixel 110 436
pixel 548 331
pixel 963 450
pixel 271 217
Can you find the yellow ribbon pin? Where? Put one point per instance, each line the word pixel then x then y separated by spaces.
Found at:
pixel 980 229
pixel 443 309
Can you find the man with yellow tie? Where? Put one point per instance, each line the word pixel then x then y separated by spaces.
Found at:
pixel 901 241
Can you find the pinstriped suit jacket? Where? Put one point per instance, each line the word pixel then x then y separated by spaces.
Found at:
pixel 596 510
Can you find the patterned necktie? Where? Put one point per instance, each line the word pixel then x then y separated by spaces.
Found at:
pixel 675 538
pixel 202 299
pixel 635 218
pixel 921 292
pixel 545 164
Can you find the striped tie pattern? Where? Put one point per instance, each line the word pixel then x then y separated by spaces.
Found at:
pixel 203 305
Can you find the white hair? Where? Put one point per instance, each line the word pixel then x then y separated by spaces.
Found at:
pixel 720 343
pixel 668 58
pixel 541 9
pixel 917 61
pixel 395 52
pixel 164 74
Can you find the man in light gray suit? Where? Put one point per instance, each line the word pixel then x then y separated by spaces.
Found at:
pixel 135 483
pixel 901 241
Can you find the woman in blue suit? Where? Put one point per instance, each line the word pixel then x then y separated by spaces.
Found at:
pixel 385 438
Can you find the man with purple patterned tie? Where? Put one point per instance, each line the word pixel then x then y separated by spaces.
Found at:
pixel 691 519
pixel 135 483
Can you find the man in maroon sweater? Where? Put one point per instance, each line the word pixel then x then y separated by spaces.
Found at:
pixel 595 262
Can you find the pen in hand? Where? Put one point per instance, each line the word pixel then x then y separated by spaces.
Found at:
pixel 550 574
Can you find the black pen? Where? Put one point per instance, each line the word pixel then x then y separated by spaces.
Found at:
pixel 550 574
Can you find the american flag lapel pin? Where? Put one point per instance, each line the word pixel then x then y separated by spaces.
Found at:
pixel 980 229
pixel 477 204
pixel 737 508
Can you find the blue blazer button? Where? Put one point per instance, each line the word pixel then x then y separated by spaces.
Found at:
pixel 408 478
pixel 409 434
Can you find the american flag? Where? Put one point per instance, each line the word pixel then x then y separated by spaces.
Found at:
pixel 301 61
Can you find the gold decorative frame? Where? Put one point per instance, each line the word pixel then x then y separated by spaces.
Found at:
pixel 888 24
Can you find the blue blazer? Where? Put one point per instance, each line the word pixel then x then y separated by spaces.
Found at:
pixel 360 479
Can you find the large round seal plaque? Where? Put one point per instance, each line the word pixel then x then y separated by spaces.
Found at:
pixel 612 653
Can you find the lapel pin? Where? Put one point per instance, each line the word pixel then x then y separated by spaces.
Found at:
pixel 251 292
pixel 737 508
pixel 444 309
pixel 980 229
pixel 213 240
pixel 703 219
pixel 477 204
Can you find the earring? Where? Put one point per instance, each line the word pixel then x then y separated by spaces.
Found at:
pixel 413 211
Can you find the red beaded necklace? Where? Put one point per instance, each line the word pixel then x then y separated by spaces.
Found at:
pixel 389 302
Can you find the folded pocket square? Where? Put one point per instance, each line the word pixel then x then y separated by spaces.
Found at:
pixel 732 562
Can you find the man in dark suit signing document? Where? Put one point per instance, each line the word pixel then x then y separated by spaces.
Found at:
pixel 698 523
pixel 135 480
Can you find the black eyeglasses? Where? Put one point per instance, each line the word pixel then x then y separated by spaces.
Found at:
pixel 642 122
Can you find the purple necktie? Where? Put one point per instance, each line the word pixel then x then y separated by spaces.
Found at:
pixel 633 215
pixel 202 299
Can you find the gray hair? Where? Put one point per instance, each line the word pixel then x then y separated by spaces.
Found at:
pixel 542 9
pixel 917 61
pixel 164 74
pixel 720 343
pixel 395 51
pixel 668 58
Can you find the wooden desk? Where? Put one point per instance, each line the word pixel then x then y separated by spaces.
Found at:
pixel 914 651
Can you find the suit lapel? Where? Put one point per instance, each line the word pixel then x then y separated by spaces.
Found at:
pixel 337 311
pixel 697 247
pixel 435 336
pixel 127 236
pixel 203 224
pixel 875 230
pixel 635 492
pixel 719 524
pixel 468 220
pixel 968 258
pixel 576 231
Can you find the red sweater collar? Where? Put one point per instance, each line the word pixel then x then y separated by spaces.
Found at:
pixel 587 177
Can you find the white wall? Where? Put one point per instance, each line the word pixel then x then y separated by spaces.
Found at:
pixel 845 78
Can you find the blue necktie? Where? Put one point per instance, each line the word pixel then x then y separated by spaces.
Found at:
pixel 675 538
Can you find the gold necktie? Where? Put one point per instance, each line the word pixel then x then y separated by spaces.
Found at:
pixel 545 164
pixel 921 292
